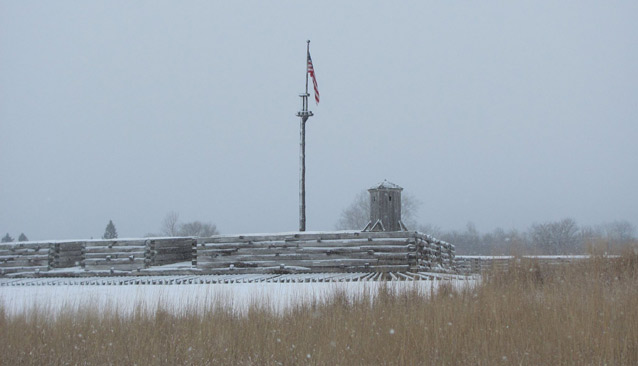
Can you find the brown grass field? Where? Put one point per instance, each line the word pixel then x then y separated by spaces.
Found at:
pixel 583 313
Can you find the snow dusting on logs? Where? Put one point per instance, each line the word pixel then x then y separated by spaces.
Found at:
pixel 296 252
pixel 342 251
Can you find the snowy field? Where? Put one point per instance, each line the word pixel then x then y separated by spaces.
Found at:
pixel 180 294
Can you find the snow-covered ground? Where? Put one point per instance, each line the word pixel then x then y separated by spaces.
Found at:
pixel 53 295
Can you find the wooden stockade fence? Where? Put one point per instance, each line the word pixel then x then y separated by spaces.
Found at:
pixel 323 252
pixel 66 255
pixel 169 251
pixel 24 257
pixel 480 263
pixel 348 251
pixel 116 255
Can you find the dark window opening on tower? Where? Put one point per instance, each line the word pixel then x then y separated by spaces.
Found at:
pixel 390 198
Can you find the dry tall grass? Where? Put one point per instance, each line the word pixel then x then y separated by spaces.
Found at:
pixel 584 313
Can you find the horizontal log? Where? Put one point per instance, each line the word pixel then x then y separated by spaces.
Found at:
pixel 68 260
pixel 171 243
pixel 24 262
pixel 188 249
pixel 115 243
pixel 71 246
pixel 23 251
pixel 232 245
pixel 305 237
pixel 390 248
pixel 23 269
pixel 229 251
pixel 301 269
pixel 404 256
pixel 115 255
pixel 164 263
pixel 303 244
pixel 172 257
pixel 39 256
pixel 302 263
pixel 116 267
pixel 132 248
pixel 75 253
pixel 394 261
pixel 254 258
pixel 345 251
pixel 94 262
pixel 18 246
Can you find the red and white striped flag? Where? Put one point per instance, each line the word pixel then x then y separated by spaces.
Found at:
pixel 311 71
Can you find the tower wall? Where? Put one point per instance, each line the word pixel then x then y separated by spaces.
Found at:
pixel 385 208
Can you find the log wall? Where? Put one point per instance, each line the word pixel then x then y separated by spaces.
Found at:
pixel 168 251
pixel 478 264
pixel 116 255
pixel 66 255
pixel 24 257
pixel 348 251
pixel 323 252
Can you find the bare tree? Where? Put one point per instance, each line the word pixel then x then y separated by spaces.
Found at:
pixel 357 214
pixel 502 242
pixel 170 225
pixel 431 229
pixel 467 241
pixel 559 237
pixel 198 228
pixel 618 233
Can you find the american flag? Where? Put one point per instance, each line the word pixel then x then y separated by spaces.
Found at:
pixel 311 71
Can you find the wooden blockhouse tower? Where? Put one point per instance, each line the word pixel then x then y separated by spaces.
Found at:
pixel 385 208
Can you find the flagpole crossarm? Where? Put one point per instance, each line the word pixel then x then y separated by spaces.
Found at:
pixel 304 113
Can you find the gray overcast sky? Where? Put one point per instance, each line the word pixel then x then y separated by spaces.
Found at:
pixel 501 113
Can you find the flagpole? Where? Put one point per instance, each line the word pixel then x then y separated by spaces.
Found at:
pixel 303 114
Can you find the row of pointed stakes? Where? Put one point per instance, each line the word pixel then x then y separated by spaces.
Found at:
pixel 205 280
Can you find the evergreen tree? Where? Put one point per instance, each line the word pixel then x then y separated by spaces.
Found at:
pixel 23 237
pixel 110 232
pixel 7 238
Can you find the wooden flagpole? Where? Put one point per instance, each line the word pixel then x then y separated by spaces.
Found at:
pixel 304 114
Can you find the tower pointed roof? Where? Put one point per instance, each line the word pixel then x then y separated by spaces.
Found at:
pixel 386 185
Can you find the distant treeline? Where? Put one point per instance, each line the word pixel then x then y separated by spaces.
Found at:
pixel 553 237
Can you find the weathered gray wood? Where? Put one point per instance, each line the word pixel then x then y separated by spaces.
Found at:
pixel 118 249
pixel 341 262
pixel 305 237
pixel 66 261
pixel 70 246
pixel 38 256
pixel 116 243
pixel 115 266
pixel 175 243
pixel 94 262
pixel 25 262
pixel 172 257
pixel 282 244
pixel 24 245
pixel 114 255
pixel 171 250
pixel 75 253
pixel 23 269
